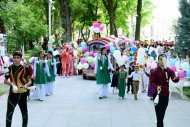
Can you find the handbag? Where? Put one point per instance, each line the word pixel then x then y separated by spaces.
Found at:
pixel 156 100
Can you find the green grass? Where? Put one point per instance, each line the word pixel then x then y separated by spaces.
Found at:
pixel 186 91
pixel 3 89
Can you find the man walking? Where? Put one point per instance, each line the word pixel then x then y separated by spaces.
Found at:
pixel 160 78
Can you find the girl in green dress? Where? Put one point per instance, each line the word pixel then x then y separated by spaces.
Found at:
pixel 40 79
pixel 53 71
pixel 122 74
pixel 101 71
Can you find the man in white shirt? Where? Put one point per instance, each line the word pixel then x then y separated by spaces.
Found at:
pixel 136 75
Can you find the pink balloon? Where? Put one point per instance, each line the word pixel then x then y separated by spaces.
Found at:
pixel 83 60
pixel 93 65
pixel 127 41
pixel 92 54
pixel 96 24
pixel 181 74
pixel 107 46
pixel 125 57
pixel 101 28
pixel 113 41
pixel 148 64
pixel 84 49
pixel 173 68
pixel 153 65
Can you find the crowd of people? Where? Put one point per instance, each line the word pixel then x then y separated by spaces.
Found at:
pixel 132 75
pixel 41 71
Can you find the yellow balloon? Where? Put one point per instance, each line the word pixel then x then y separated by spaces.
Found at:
pixel 148 42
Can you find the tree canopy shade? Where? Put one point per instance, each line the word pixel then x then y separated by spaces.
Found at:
pixel 21 24
pixel 183 29
pixel 27 20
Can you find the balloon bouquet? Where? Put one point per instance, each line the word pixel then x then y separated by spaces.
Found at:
pixel 88 59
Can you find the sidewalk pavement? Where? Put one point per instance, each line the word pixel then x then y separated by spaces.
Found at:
pixel 75 103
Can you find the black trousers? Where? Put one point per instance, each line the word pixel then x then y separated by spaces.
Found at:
pixel 13 100
pixel 160 109
pixel 130 85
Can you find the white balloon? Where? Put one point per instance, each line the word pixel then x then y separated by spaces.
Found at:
pixel 91 29
pixel 113 36
pixel 85 65
pixel 141 52
pixel 185 66
pixel 75 53
pixel 120 62
pixel 96 30
pixel 178 65
pixel 79 66
pixel 141 60
pixel 6 60
pixel 75 45
pixel 117 54
pixel 55 53
pixel 150 59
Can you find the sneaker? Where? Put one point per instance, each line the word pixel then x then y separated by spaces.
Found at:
pixel 41 100
pixel 100 98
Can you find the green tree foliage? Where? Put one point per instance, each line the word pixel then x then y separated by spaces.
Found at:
pixel 147 7
pixel 183 29
pixel 26 21
pixel 125 10
pixel 22 23
pixel 88 13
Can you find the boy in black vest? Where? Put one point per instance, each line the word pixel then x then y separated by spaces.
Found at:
pixel 19 81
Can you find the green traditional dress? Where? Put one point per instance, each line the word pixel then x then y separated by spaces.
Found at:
pixel 122 82
pixel 52 70
pixel 41 77
pixel 103 75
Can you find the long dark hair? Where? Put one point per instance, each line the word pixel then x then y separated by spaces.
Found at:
pixel 40 53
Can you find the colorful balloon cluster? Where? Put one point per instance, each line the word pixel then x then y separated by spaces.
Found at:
pixel 181 68
pixel 96 27
pixel 88 60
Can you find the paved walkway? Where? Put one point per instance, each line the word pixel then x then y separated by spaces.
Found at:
pixel 75 103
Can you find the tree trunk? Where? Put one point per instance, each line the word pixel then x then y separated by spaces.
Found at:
pixel 138 22
pixel 2 27
pixel 66 20
pixel 111 12
pixel 111 8
pixel 112 24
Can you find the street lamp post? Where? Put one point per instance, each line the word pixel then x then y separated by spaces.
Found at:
pixel 50 8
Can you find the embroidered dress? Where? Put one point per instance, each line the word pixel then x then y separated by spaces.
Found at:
pixel 122 82
pixel 101 70
pixel 103 75
pixel 40 70
pixel 50 80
